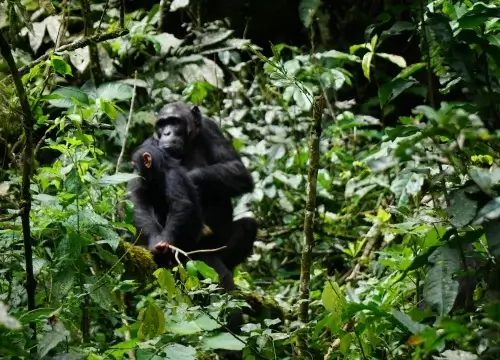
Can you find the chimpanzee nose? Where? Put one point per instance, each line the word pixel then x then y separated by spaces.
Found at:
pixel 167 133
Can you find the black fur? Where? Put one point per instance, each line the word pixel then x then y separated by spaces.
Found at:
pixel 167 208
pixel 216 170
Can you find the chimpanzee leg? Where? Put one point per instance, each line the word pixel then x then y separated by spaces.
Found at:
pixel 240 245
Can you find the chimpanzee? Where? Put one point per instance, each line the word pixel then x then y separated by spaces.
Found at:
pixel 218 173
pixel 169 210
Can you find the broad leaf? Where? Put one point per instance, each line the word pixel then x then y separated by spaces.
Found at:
pixel 462 209
pixel 332 297
pixel 151 321
pixel 66 94
pixel 405 185
pixel 478 14
pixel 490 211
pixel 180 352
pixel 492 233
pixel 391 90
pixel 410 325
pixel 115 179
pixel 114 91
pixel 224 341
pixel 395 59
pixel 440 289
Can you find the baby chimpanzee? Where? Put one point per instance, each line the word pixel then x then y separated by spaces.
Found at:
pixel 169 197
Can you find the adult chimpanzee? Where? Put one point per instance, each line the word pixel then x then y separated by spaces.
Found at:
pixel 218 173
pixel 169 209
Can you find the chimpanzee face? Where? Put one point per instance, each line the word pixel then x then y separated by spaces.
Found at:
pixel 176 126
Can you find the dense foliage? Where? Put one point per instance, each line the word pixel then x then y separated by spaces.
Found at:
pixel 406 227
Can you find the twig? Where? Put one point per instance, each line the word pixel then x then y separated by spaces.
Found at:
pixel 127 126
pixel 28 123
pixel 312 179
pixel 178 251
pixel 70 47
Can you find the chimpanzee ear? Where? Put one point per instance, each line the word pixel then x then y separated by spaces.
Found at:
pixel 148 160
pixel 195 111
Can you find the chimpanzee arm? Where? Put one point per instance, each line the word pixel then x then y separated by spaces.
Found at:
pixel 226 175
pixel 184 222
pixel 144 218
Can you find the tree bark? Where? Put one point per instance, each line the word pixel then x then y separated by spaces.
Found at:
pixel 312 180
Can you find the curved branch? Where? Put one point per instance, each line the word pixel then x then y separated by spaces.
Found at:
pixel 70 47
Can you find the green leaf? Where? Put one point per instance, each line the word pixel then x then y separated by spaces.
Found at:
pixel 405 185
pixel 114 91
pixel 335 54
pixel 184 328
pixel 151 321
pixel 224 341
pixel 206 271
pixel 410 325
pixel 118 351
pixel 63 282
pixel 485 179
pixel 60 66
pixel 115 179
pixel 166 281
pixel 180 352
pixel 66 96
pixel 52 338
pixel 99 290
pixel 391 90
pixel 490 211
pixel 332 297
pixel 410 70
pixel 395 59
pixel 366 63
pixel 109 109
pixel 307 10
pixel 398 27
pixel 109 236
pixel 440 289
pixel 41 314
pixel 462 209
pixel 9 347
pixel 492 233
pixel 477 15
pixel 207 323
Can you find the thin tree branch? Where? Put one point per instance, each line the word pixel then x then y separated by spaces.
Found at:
pixel 88 31
pixel 28 123
pixel 95 39
pixel 312 180
pixel 127 126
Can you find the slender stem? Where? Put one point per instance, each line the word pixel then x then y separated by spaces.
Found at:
pixel 127 127
pixel 312 179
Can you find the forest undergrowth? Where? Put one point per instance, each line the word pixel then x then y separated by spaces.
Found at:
pixel 376 180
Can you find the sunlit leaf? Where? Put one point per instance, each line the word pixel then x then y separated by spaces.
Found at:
pixel 151 321
pixel 395 59
pixel 366 63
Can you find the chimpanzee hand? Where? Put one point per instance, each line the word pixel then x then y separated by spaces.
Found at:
pixel 158 245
